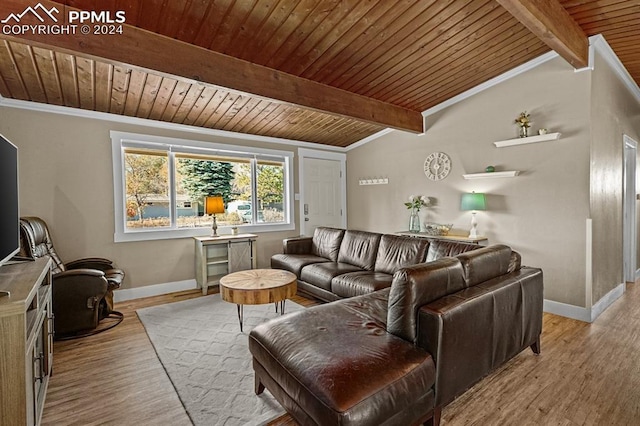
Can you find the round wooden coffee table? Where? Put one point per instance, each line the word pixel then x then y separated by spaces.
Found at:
pixel 258 287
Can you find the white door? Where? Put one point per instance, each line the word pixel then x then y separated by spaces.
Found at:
pixel 321 196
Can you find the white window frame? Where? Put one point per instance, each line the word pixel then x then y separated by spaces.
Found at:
pixel 122 140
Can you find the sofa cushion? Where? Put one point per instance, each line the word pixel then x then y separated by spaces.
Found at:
pixel 359 283
pixel 416 286
pixel 485 263
pixel 396 252
pixel 441 248
pixel 321 274
pixel 334 360
pixel 294 262
pixel 326 242
pixel 359 248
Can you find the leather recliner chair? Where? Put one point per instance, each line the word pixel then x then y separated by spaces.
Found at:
pixel 82 290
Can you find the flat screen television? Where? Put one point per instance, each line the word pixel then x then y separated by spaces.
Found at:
pixel 9 208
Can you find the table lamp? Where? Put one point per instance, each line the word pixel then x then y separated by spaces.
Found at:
pixel 473 202
pixel 213 206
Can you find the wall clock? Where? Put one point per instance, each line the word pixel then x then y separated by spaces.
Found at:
pixel 437 166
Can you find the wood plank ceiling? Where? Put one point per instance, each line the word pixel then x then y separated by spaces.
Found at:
pixel 409 54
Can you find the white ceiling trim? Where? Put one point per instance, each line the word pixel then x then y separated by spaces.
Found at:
pixel 96 115
pixel 370 138
pixel 600 44
pixel 493 82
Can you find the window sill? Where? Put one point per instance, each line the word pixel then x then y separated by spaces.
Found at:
pixel 156 234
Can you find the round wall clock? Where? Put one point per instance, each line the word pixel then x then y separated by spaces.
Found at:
pixel 437 166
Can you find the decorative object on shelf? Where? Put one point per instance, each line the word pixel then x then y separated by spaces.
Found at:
pixel 414 204
pixel 437 229
pixel 523 123
pixel 473 202
pixel 542 131
pixel 214 206
pixel 490 169
pixel 374 181
pixel 234 230
pixel 437 166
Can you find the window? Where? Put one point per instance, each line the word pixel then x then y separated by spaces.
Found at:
pixel 160 185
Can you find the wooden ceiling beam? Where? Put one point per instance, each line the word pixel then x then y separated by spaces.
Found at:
pixel 552 24
pixel 151 51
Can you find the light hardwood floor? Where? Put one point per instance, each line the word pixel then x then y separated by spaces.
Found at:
pixel 587 374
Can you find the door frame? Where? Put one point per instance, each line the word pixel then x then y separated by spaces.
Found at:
pixel 629 226
pixel 322 155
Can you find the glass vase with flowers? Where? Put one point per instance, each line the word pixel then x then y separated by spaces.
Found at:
pixel 414 204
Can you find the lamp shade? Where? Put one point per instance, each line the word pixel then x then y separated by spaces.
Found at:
pixel 473 201
pixel 214 205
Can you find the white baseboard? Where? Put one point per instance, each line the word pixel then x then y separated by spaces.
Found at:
pixel 607 300
pixel 153 290
pixel 566 310
pixel 584 314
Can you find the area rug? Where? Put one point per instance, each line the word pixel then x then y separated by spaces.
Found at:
pixel 199 343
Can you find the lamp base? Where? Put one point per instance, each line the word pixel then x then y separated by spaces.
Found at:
pixel 214 227
pixel 473 233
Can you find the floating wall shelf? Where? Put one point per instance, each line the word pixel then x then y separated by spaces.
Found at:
pixel 491 175
pixel 530 139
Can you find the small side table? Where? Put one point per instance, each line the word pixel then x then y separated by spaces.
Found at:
pixel 218 256
pixel 258 287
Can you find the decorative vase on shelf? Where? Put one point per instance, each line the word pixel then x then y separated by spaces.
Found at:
pixel 414 221
pixel 524 122
pixel 523 132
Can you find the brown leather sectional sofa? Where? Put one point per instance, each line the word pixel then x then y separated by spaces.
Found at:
pixel 396 356
pixel 338 263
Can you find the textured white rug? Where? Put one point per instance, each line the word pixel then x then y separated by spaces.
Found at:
pixel 207 358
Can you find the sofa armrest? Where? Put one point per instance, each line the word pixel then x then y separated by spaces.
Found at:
pixel 298 245
pixel 515 262
pixel 474 331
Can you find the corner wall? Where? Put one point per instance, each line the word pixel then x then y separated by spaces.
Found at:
pixel 614 113
pixel 541 213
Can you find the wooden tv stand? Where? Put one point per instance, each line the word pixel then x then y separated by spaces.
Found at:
pixel 26 345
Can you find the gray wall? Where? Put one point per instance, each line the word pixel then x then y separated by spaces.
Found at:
pixel 614 112
pixel 541 213
pixel 66 178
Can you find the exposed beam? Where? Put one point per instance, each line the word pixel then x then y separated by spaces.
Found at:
pixel 552 24
pixel 152 51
